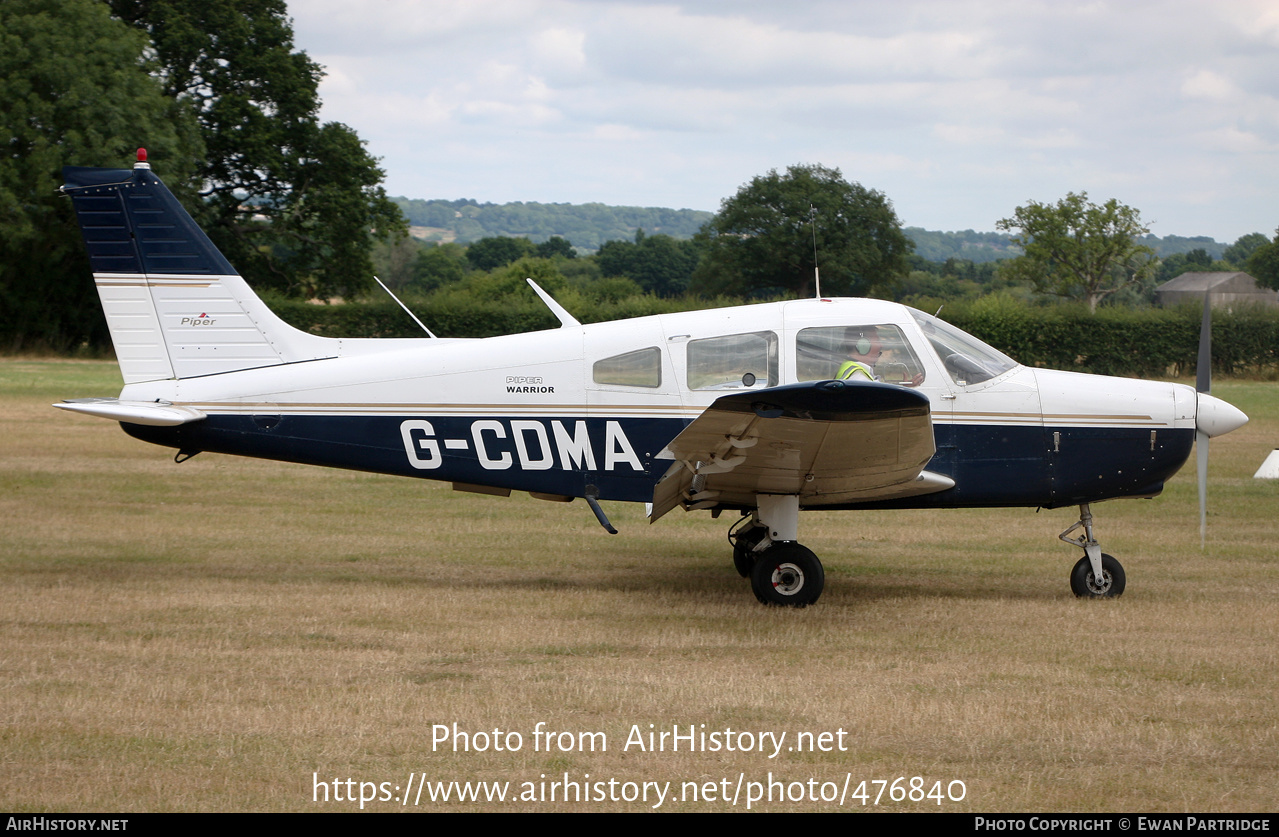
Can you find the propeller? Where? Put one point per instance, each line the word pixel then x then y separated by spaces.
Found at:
pixel 1213 417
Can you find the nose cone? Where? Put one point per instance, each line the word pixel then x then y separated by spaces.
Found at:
pixel 1215 417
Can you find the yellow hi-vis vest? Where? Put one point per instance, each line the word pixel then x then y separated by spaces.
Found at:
pixel 851 367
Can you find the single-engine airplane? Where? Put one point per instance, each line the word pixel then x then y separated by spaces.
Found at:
pixel 763 409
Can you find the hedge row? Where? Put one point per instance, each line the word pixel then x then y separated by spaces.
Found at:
pixel 460 315
pixel 1114 341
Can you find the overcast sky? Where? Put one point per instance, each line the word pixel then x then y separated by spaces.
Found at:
pixel 957 111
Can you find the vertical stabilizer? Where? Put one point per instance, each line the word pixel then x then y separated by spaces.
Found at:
pixel 175 306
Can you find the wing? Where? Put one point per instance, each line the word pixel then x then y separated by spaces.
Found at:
pixel 830 442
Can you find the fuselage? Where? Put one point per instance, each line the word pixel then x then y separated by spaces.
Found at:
pixel 563 412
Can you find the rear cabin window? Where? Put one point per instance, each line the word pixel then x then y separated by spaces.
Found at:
pixel 642 368
pixel 820 353
pixel 735 361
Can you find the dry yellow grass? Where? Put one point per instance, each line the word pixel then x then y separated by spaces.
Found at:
pixel 206 636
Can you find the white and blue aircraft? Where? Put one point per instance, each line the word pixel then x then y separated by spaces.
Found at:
pixel 764 409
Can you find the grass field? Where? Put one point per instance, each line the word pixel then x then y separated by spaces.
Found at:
pixel 212 635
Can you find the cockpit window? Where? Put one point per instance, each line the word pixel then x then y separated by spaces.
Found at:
pixel 967 359
pixel 642 368
pixel 865 352
pixel 735 361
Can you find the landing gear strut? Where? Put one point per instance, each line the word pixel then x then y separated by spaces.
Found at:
pixel 782 571
pixel 745 535
pixel 1096 575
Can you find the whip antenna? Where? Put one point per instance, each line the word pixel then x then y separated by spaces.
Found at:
pixel 402 305
pixel 817 276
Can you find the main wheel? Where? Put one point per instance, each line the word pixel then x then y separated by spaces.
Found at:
pixel 744 553
pixel 1086 585
pixel 788 574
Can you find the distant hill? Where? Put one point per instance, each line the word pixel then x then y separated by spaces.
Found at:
pixel 588 225
pixel 585 225
pixel 1172 244
pixel 974 246
pixel 989 246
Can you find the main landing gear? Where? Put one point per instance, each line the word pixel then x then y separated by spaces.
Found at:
pixel 782 571
pixel 1096 575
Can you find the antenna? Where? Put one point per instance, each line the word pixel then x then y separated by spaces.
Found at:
pixel 405 307
pixel 817 276
pixel 566 319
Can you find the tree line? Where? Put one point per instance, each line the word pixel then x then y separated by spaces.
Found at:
pixel 229 110
pixel 587 225
pixel 783 233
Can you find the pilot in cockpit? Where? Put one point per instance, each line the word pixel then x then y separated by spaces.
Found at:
pixel 865 348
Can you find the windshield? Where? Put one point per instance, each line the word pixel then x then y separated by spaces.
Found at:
pixel 967 359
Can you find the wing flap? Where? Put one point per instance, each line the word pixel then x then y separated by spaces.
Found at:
pixel 829 442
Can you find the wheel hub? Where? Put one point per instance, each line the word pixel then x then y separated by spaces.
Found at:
pixel 1100 588
pixel 788 579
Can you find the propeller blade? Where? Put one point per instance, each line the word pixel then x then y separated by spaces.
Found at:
pixel 1203 366
pixel 1201 470
pixel 1203 385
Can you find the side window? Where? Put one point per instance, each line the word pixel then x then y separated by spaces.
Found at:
pixel 735 361
pixel 878 351
pixel 633 369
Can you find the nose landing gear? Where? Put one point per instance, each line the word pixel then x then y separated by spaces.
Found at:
pixel 1096 575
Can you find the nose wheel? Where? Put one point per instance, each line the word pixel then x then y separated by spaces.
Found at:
pixel 1096 575
pixel 1085 584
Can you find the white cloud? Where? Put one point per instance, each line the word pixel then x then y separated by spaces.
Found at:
pixel 559 53
pixel 1206 84
pixel 1235 141
pixel 949 107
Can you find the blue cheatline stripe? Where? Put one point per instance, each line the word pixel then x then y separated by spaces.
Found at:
pixel 991 465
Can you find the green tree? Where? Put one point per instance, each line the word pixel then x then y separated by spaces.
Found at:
pixel 435 267
pixel 1170 267
pixel 1077 248
pixel 1198 259
pixel 268 156
pixel 1263 264
pixel 74 90
pixel 1243 248
pixel 659 264
pixel 498 251
pixel 395 258
pixel 762 239
pixel 554 246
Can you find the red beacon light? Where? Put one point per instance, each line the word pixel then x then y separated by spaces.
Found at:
pixel 142 160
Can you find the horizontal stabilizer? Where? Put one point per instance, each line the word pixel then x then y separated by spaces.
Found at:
pixel 152 413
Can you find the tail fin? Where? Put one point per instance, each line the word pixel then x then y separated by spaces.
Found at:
pixel 175 306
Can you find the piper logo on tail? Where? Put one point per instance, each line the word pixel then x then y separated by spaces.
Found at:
pixel 202 320
pixel 535 445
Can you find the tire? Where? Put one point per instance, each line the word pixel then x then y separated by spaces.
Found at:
pixel 1084 585
pixel 744 553
pixel 789 575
